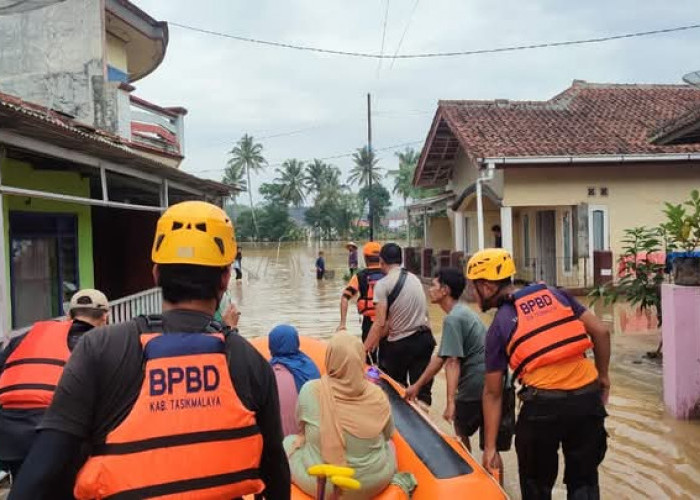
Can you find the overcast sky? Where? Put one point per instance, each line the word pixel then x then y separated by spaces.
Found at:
pixel 231 88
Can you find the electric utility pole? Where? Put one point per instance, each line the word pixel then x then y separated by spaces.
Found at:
pixel 369 154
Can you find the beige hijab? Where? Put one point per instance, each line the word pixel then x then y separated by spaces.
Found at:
pixel 349 403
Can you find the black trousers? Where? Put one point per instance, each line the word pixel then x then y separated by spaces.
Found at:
pixel 576 423
pixel 367 323
pixel 405 360
pixel 366 326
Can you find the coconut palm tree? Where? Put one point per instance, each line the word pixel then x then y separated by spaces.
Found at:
pixel 403 177
pixel 313 179
pixel 365 161
pixel 247 156
pixel 330 185
pixel 291 177
pixel 233 176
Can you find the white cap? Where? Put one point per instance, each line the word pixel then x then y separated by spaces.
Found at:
pixel 89 298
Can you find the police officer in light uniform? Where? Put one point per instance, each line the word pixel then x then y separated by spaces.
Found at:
pixel 169 404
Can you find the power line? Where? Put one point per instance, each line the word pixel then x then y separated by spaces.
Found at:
pixel 426 55
pixel 291 132
pixel 403 35
pixel 334 157
pixel 381 50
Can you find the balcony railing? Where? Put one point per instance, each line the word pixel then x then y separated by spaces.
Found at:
pixel 156 127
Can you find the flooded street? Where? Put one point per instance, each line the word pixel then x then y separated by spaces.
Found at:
pixel 650 455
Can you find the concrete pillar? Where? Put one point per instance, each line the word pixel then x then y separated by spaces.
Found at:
pixel 180 127
pixel 479 214
pixel 459 231
pixel 681 349
pixel 425 228
pixel 507 228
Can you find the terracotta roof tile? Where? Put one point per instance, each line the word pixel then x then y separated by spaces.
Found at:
pixel 585 119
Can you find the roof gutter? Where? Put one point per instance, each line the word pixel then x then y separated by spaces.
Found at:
pixel 623 158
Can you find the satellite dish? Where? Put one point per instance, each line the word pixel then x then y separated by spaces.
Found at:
pixel 8 7
pixel 692 79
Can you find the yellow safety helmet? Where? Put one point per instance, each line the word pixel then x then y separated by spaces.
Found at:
pixel 492 264
pixel 194 232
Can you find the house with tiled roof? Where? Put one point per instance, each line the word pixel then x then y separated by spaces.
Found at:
pixel 562 178
pixel 86 168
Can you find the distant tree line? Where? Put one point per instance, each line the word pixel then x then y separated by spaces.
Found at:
pixel 334 209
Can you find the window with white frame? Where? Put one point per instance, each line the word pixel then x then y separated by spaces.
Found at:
pixel 567 242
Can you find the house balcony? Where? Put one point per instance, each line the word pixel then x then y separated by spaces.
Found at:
pixel 156 131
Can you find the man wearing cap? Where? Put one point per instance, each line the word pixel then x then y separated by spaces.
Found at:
pixel 172 405
pixel 30 367
pixel 362 286
pixel 352 257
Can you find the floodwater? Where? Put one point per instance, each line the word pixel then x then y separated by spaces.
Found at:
pixel 650 454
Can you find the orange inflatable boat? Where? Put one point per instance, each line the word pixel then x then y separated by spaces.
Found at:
pixel 440 464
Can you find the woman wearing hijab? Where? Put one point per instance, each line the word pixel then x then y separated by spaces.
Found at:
pixel 292 370
pixel 343 420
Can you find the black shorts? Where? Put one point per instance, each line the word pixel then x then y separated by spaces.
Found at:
pixel 469 417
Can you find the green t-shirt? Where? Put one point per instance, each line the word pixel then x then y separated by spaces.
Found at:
pixel 463 336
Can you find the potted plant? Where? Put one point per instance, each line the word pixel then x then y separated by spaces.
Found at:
pixel 682 227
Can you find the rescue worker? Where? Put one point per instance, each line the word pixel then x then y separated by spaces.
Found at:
pixel 170 404
pixel 542 334
pixel 30 367
pixel 362 286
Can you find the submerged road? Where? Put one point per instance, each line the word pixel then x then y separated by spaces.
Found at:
pixel 650 454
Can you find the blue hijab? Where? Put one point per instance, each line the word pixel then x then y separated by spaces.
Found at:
pixel 284 347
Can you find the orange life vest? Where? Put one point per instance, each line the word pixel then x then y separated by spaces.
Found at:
pixel 34 368
pixel 547 331
pixel 188 434
pixel 366 280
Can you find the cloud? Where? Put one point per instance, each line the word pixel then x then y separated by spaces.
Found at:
pixel 231 88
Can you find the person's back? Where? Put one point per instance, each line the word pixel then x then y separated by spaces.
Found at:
pixel 288 399
pixel 372 458
pixel 344 420
pixel 320 266
pixel 409 311
pixel 362 285
pixel 293 369
pixel 170 404
pixel 30 368
pixel 542 334
pixel 401 328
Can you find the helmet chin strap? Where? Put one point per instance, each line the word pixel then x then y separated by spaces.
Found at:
pixel 486 301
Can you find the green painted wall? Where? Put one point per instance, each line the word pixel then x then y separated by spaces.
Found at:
pixel 22 175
